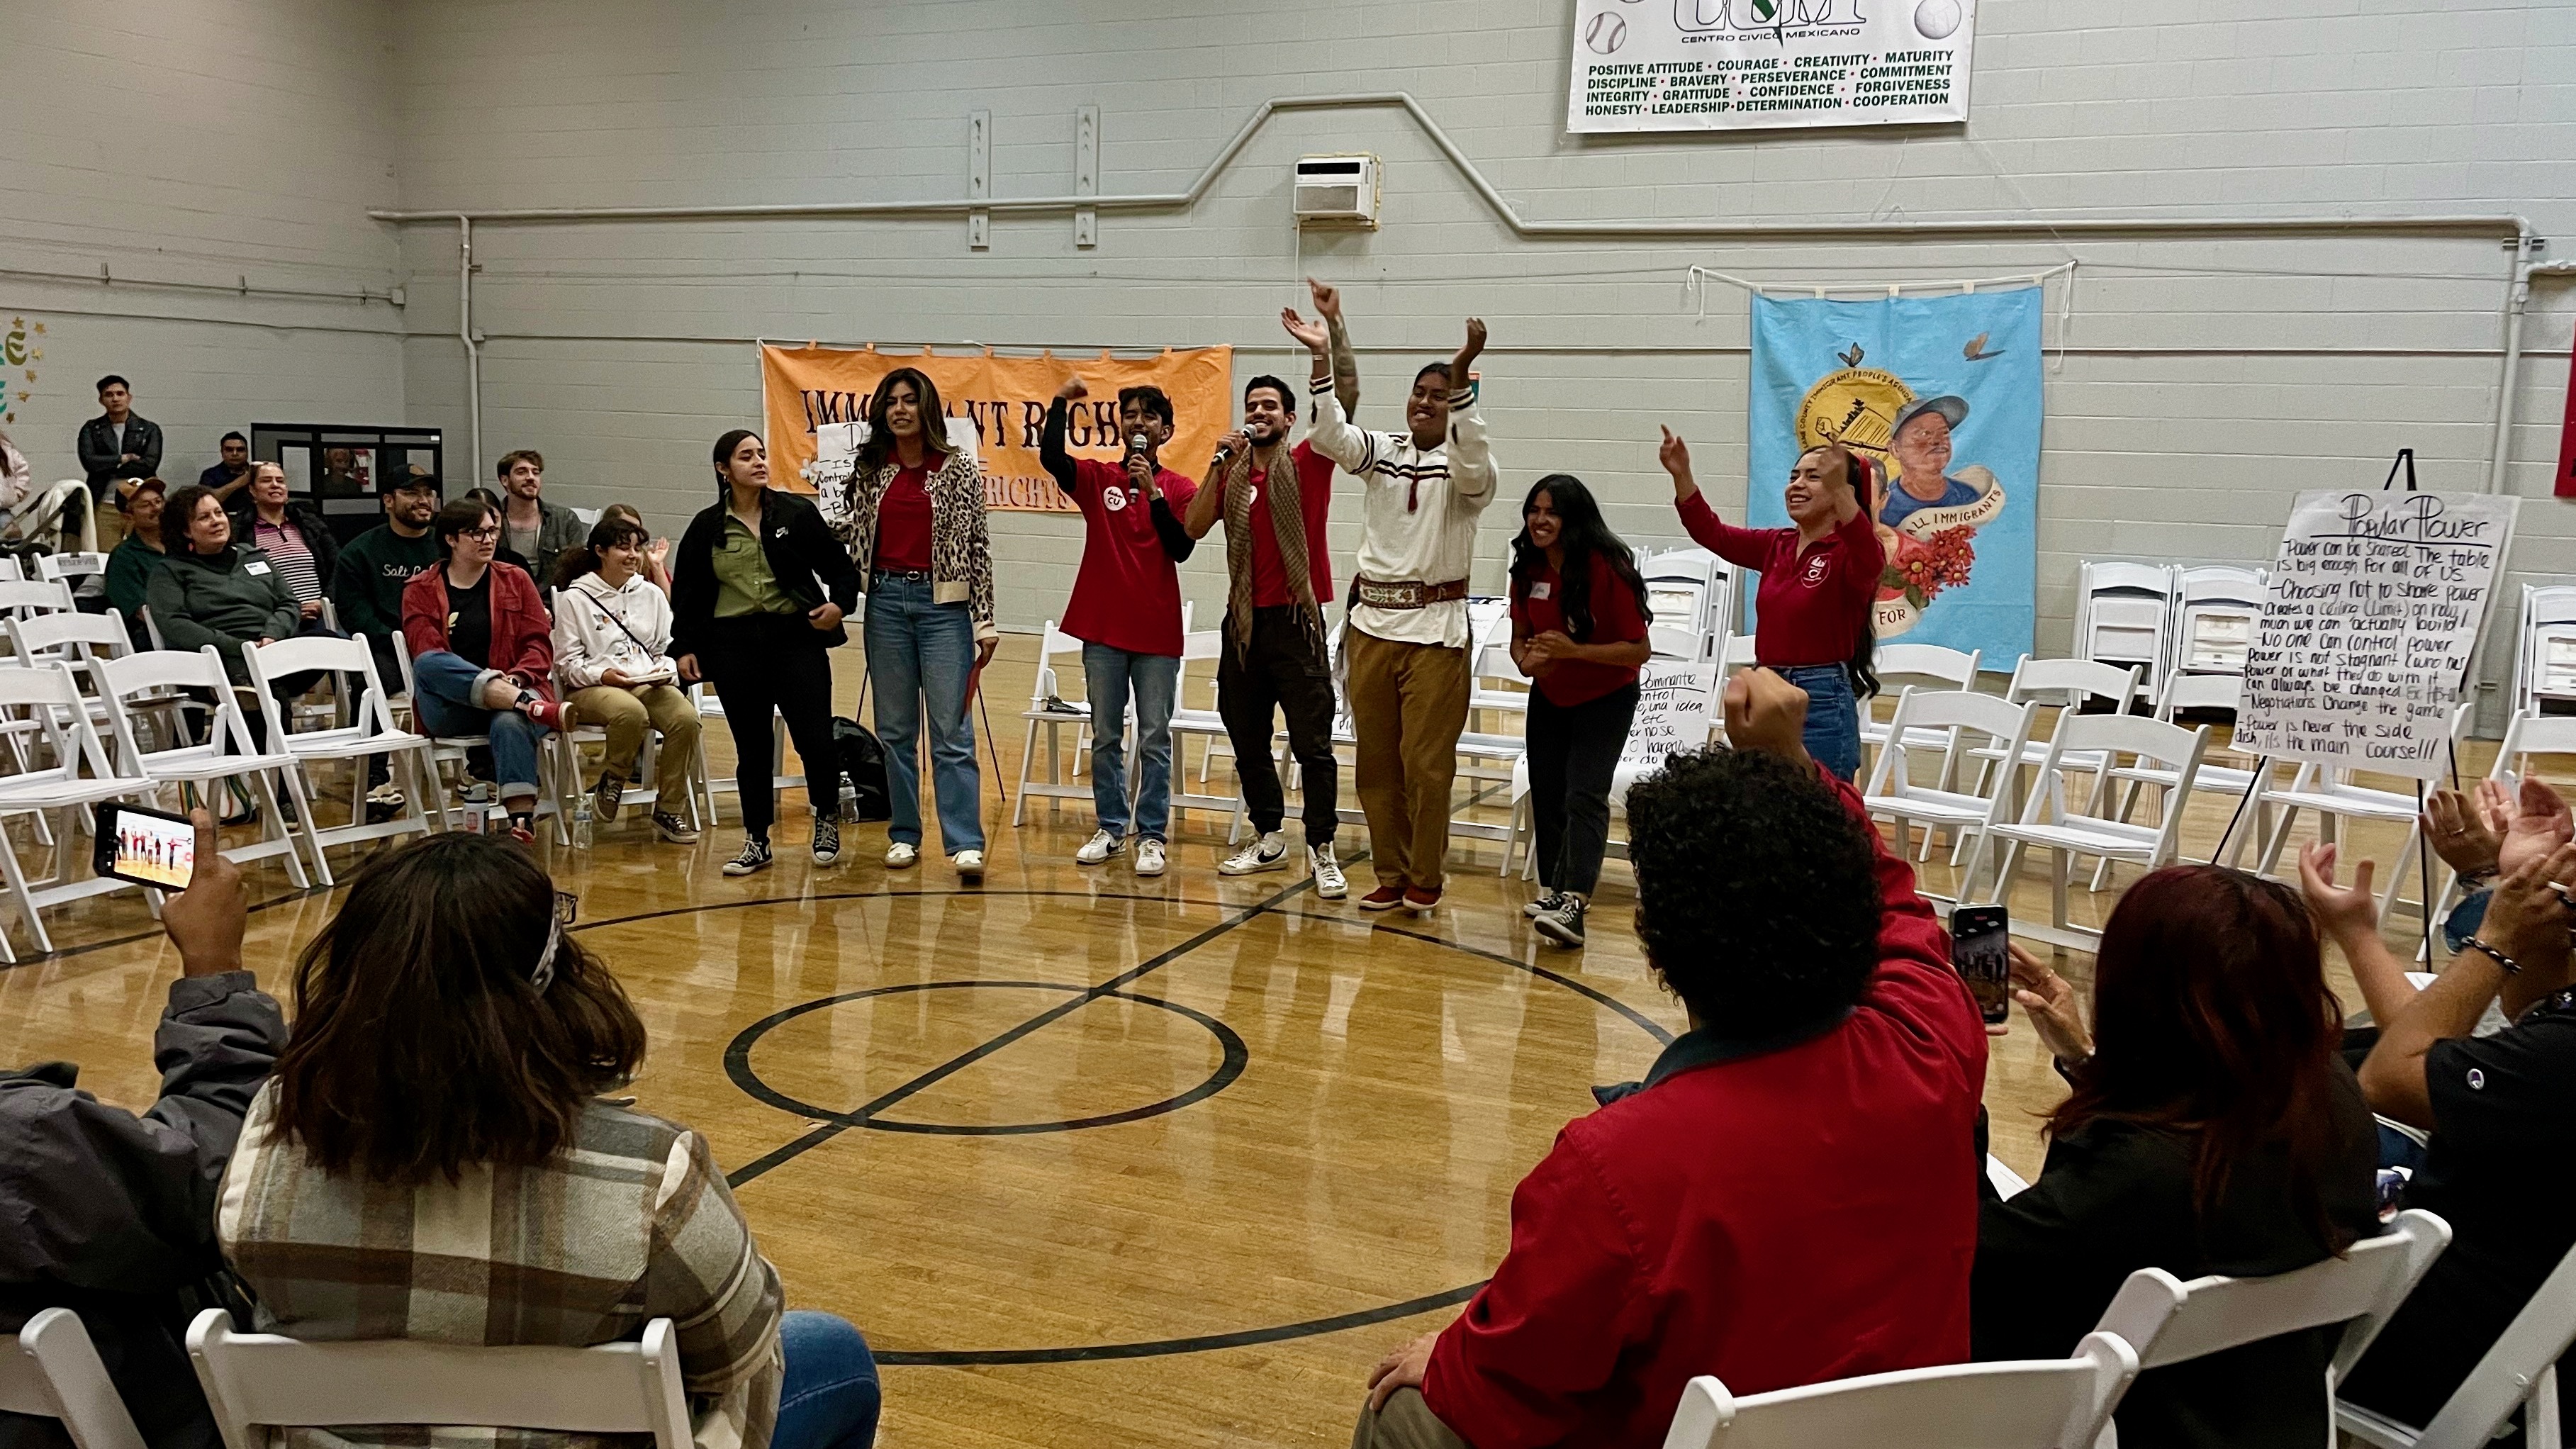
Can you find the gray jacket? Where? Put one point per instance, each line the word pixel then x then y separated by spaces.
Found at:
pixel 557 529
pixel 112 1215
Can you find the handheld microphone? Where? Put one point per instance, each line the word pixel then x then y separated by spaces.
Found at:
pixel 1135 444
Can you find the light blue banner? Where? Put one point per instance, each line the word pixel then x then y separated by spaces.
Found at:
pixel 1944 392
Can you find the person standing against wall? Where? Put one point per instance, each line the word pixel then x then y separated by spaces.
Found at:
pixel 1126 610
pixel 1405 639
pixel 1819 579
pixel 118 449
pixel 1579 617
pixel 757 601
pixel 912 513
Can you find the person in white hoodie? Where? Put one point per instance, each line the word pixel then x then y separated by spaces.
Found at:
pixel 613 658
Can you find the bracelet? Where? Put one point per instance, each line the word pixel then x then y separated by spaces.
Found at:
pixel 2510 965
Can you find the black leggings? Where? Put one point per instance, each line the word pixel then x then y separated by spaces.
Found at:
pixel 764 662
pixel 1573 756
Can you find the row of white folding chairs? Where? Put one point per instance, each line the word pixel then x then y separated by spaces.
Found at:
pixel 254 1382
pixel 2167 618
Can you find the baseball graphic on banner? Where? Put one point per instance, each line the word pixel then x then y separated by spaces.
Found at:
pixel 1605 33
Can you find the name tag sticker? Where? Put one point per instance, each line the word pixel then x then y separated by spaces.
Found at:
pixel 1542 591
pixel 256 566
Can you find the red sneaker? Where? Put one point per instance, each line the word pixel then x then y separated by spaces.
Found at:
pixel 1421 902
pixel 553 714
pixel 1384 898
pixel 522 834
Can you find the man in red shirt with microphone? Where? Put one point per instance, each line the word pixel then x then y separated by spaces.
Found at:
pixel 1126 609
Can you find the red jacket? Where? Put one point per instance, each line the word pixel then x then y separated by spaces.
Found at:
pixel 1814 600
pixel 1773 1215
pixel 523 637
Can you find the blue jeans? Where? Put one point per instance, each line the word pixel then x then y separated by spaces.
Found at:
pixel 443 691
pixel 918 652
pixel 829 1398
pixel 1109 676
pixel 1833 716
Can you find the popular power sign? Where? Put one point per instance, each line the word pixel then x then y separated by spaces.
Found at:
pixel 1704 65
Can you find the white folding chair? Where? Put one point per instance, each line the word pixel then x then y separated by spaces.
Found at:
pixel 1051 711
pixel 69 569
pixel 2049 822
pixel 49 697
pixel 2169 1321
pixel 2068 685
pixel 2192 692
pixel 2219 606
pixel 2544 659
pixel 2518 1371
pixel 2330 791
pixel 1900 665
pixel 450 749
pixel 1736 652
pixel 1200 647
pixel 21 597
pixel 2124 614
pixel 371 731
pixel 2018 1404
pixel 1945 716
pixel 1690 592
pixel 257 1380
pixel 140 680
pixel 1489 665
pixel 51 1370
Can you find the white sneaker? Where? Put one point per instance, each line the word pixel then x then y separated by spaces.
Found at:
pixel 1328 872
pixel 1270 852
pixel 970 865
pixel 1098 848
pixel 901 855
pixel 1149 856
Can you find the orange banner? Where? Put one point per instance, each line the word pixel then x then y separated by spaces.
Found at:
pixel 1004 401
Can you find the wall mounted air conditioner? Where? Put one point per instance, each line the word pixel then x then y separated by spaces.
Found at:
pixel 1337 191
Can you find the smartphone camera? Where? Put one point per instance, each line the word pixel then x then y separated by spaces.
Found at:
pixel 147 847
pixel 1979 937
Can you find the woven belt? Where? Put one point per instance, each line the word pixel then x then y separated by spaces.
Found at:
pixel 1407 593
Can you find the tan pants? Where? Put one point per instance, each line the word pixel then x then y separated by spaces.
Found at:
pixel 624 712
pixel 1408 706
pixel 1405 1423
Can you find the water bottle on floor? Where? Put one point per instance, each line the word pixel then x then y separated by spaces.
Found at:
pixel 581 824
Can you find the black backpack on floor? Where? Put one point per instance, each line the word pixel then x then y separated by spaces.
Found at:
pixel 862 760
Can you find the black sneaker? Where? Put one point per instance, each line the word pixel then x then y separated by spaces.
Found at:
pixel 610 794
pixel 827 838
pixel 1546 902
pixel 755 856
pixel 1564 925
pixel 674 827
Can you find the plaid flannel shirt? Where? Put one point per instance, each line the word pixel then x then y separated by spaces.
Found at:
pixel 633 1223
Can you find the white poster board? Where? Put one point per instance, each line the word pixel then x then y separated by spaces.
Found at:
pixel 2369 624
pixel 1719 65
pixel 1675 701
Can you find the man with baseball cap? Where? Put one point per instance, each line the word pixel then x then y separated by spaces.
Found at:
pixel 1920 446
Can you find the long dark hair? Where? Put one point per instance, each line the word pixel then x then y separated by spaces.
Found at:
pixel 934 421
pixel 425 1041
pixel 2211 1016
pixel 1862 667
pixel 613 528
pixel 1584 535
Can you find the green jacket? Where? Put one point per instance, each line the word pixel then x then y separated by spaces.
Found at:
pixel 367 585
pixel 232 599
pixel 129 568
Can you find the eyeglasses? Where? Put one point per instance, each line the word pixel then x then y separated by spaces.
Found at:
pixel 485 535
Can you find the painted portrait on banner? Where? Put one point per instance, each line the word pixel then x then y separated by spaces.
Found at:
pixel 1943 395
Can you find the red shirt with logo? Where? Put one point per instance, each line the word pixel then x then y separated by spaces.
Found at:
pixel 903 522
pixel 1315 499
pixel 1814 601
pixel 1128 592
pixel 1540 606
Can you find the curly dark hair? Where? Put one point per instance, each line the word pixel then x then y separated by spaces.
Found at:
pixel 1757 900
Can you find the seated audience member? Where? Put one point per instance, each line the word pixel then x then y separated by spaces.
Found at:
pixel 1790 1196
pixel 435 1159
pixel 657 553
pixel 229 476
pixel 613 652
pixel 2503 1131
pixel 2213 1128
pixel 131 563
pixel 367 588
pixel 502 552
pixel 212 589
pixel 483 654
pixel 112 1214
pixel 290 531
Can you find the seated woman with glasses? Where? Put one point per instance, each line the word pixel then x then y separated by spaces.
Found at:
pixel 434 1159
pixel 483 654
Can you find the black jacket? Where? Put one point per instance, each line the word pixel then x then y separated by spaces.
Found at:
pixel 301 516
pixel 2115 1197
pixel 810 564
pixel 101 458
pixel 113 1215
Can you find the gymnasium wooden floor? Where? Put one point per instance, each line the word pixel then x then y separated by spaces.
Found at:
pixel 1091 1159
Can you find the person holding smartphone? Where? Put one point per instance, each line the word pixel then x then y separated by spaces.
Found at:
pixel 1126 610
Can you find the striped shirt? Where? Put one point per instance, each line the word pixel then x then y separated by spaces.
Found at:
pixel 633 1223
pixel 285 545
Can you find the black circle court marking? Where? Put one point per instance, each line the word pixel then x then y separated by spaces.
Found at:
pixel 832 1124
pixel 738 1063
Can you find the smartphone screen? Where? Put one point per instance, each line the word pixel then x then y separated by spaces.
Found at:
pixel 1978 936
pixel 148 847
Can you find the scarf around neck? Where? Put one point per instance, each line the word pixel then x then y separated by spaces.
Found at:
pixel 1287 530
